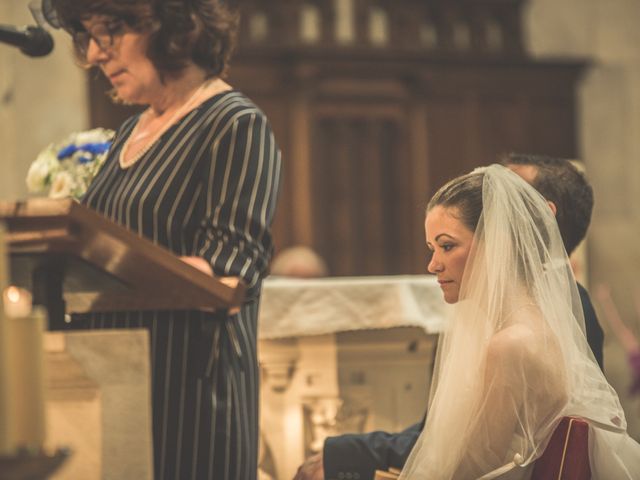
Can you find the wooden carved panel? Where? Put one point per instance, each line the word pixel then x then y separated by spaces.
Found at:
pixel 361 200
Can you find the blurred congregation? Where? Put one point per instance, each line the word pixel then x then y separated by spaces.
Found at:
pixel 264 293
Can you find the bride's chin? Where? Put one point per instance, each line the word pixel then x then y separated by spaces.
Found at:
pixel 450 298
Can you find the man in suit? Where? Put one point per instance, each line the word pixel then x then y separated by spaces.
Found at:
pixel 357 456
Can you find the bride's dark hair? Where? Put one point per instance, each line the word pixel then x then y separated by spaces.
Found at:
pixel 464 196
pixel 463 193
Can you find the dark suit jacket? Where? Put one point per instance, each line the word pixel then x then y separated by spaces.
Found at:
pixel 358 456
pixel 595 336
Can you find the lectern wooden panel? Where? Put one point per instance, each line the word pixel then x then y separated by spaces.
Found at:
pixel 66 249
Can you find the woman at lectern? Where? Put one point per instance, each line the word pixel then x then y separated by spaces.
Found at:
pixel 196 172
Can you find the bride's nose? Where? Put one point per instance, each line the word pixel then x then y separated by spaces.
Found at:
pixel 434 265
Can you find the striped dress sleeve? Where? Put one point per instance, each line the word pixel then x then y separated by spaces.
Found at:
pixel 240 188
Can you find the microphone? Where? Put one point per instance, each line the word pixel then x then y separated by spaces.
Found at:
pixel 32 41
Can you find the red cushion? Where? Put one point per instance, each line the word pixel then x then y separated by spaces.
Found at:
pixel 567 454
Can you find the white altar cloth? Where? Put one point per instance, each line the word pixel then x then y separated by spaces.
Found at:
pixel 300 307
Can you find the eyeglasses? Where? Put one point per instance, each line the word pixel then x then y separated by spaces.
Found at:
pixel 104 34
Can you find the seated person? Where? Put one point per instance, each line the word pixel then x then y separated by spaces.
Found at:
pixel 568 190
pixel 513 359
pixel 298 261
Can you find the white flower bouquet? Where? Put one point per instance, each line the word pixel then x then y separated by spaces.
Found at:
pixel 65 169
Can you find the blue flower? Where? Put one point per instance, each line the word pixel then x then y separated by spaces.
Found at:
pixel 67 168
pixel 92 148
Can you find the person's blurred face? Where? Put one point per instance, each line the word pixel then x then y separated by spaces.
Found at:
pixel 120 52
pixel 527 172
pixel 449 241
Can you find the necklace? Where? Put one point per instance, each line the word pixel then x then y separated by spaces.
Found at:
pixel 150 136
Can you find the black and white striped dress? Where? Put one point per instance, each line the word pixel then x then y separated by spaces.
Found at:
pixel 207 188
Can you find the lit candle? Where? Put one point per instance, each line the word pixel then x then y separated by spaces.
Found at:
pixel 4 273
pixel 27 379
pixel 7 445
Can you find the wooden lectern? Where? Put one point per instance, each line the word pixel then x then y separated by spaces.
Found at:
pixel 74 260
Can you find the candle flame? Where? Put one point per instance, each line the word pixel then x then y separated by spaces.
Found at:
pixel 17 301
pixel 13 294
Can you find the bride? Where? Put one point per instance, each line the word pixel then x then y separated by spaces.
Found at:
pixel 514 359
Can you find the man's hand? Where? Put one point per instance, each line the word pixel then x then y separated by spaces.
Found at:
pixel 311 469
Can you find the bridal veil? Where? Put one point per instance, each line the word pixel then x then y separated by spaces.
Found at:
pixel 514 358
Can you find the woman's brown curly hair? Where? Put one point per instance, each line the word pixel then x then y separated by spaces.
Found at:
pixel 201 31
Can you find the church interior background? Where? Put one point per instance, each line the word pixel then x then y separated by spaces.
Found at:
pixel 412 92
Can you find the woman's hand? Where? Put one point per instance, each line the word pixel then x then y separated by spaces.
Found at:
pixel 204 266
pixel 199 263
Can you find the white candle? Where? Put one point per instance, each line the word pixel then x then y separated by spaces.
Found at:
pixel 4 269
pixel 27 379
pixel 7 444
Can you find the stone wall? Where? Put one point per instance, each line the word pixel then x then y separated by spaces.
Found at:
pixel 41 101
